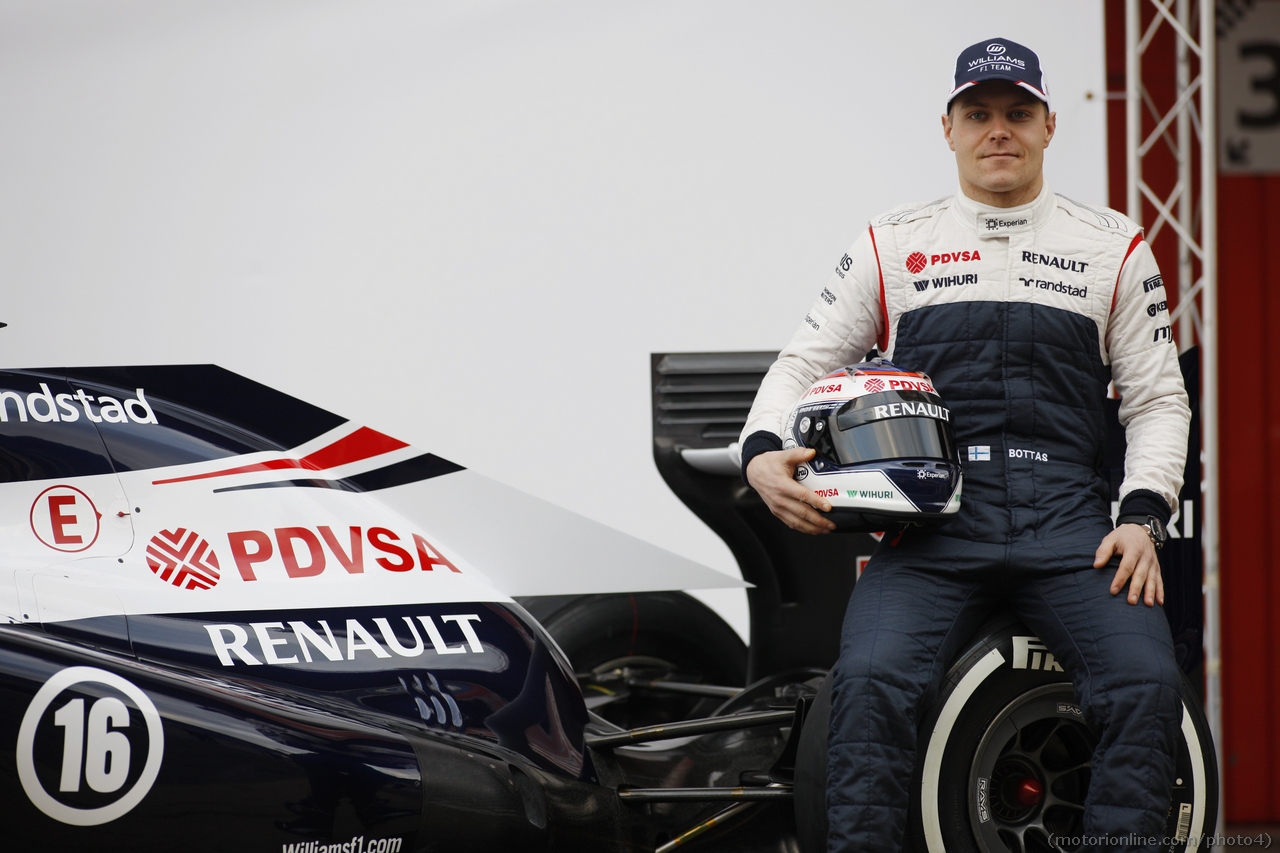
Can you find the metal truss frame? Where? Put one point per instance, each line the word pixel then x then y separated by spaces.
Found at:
pixel 1189 211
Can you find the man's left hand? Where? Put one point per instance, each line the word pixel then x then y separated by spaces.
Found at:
pixel 1137 559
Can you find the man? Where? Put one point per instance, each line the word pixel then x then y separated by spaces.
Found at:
pixel 1021 306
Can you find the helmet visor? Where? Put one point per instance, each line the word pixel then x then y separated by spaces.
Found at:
pixel 888 425
pixel 895 438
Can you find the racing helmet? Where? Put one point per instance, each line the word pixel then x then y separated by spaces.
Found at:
pixel 885 449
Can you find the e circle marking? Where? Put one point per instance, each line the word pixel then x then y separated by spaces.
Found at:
pixel 64 518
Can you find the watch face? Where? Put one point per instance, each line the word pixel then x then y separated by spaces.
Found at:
pixel 1158 533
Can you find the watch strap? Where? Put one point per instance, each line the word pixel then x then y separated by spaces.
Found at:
pixel 1147 523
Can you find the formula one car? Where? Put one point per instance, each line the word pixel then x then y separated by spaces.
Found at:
pixel 230 620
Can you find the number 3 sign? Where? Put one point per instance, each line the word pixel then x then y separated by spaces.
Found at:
pixel 95 746
pixel 1249 88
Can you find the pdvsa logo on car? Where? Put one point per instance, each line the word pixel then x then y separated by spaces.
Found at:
pixel 89 747
pixel 182 558
pixel 187 561
pixel 300 552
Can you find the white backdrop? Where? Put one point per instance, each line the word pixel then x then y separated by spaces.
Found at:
pixel 468 224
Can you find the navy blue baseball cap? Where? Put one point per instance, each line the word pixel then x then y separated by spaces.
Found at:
pixel 999 59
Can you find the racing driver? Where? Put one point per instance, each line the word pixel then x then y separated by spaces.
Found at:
pixel 1022 305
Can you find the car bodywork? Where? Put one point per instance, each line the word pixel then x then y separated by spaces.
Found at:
pixel 233 620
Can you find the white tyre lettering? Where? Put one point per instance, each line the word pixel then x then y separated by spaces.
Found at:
pixel 1022 647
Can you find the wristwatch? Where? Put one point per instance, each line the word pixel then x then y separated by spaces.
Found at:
pixel 1153 526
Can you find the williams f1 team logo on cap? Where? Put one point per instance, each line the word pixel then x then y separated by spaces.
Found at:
pixel 999 59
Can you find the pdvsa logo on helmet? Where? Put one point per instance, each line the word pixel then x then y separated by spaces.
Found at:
pixel 44 406
pixel 911 385
pixel 89 747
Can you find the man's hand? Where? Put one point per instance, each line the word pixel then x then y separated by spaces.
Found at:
pixel 772 474
pixel 1137 558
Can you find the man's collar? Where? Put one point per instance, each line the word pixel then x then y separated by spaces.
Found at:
pixel 990 221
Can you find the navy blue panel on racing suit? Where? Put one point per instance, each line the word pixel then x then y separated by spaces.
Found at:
pixel 1041 412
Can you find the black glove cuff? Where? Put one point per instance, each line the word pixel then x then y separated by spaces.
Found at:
pixel 760 441
pixel 1145 502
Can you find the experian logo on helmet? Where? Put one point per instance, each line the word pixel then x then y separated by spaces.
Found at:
pixel 901 410
pixel 44 406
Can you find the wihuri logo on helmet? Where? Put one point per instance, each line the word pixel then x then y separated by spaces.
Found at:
pixel 885 449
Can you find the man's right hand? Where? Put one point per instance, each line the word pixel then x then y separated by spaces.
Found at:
pixel 772 474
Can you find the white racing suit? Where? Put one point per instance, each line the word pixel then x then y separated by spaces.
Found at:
pixel 1021 316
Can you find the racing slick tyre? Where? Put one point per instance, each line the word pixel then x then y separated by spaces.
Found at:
pixel 619 643
pixel 1005 753
pixel 1003 759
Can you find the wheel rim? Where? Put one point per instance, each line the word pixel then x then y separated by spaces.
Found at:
pixel 1030 774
